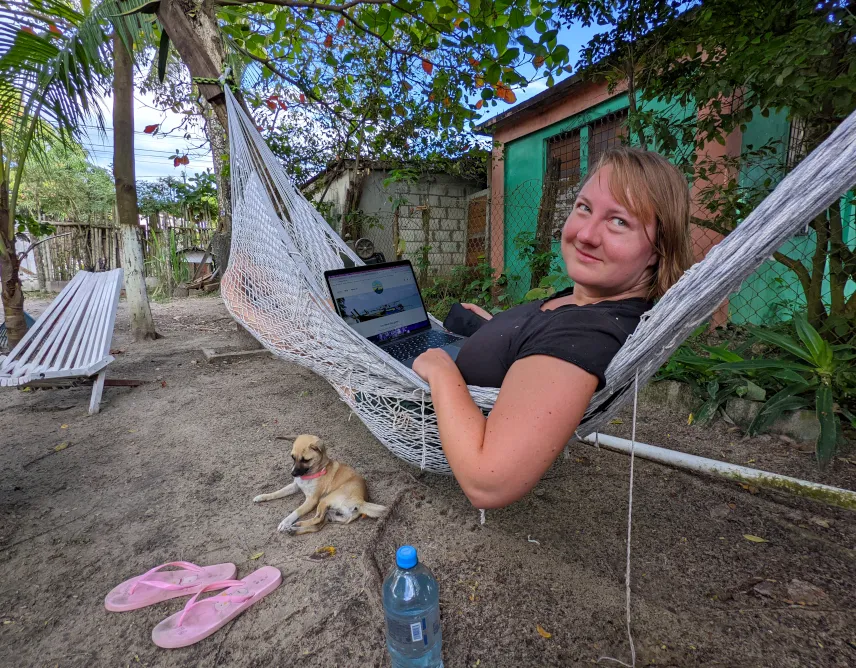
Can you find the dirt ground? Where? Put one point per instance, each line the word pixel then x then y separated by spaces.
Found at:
pixel 167 471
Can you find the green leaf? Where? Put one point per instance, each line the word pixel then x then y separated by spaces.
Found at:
pixel 826 442
pixel 560 54
pixel 148 8
pixel 819 349
pixel 786 400
pixel 850 416
pixel 500 42
pixel 786 343
pixel 749 365
pixel 708 410
pixel 754 392
pixel 163 54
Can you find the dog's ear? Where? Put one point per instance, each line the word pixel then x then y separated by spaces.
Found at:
pixel 319 447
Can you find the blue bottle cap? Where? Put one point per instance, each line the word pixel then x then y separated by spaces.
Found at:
pixel 405 557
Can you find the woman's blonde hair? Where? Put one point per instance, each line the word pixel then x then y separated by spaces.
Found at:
pixel 651 188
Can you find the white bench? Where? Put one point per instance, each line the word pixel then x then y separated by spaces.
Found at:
pixel 71 339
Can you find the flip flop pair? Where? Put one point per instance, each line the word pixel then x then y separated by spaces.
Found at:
pixel 201 616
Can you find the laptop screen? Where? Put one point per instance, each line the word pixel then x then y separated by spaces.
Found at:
pixel 381 304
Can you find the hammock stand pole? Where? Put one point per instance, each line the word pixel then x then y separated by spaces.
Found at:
pixel 835 496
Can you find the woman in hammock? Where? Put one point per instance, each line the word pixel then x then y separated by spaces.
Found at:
pixel 625 243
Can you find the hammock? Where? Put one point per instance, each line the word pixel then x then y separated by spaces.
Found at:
pixel 281 246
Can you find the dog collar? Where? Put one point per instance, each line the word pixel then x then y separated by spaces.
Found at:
pixel 314 475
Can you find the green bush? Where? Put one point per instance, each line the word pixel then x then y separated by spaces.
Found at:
pixel 786 372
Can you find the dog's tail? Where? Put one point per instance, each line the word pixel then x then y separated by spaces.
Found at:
pixel 373 509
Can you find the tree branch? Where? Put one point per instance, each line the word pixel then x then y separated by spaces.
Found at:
pixel 798 268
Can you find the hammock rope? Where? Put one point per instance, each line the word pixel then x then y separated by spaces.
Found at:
pixel 281 246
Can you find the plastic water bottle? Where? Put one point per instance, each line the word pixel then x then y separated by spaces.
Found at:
pixel 411 601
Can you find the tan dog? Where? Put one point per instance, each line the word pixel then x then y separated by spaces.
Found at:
pixel 334 490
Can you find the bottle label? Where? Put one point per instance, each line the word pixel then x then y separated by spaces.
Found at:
pixel 423 630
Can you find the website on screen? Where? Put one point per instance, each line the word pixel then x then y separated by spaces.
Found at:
pixel 380 304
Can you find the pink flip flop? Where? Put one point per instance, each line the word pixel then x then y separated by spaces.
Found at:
pixel 156 585
pixel 201 618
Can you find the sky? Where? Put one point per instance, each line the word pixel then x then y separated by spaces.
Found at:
pixel 153 152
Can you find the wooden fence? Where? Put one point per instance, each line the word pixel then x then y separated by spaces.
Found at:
pixel 98 247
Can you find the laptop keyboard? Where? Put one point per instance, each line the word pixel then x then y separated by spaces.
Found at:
pixel 416 345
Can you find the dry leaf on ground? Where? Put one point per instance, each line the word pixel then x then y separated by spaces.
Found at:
pixel 543 632
pixel 257 555
pixel 755 539
pixel 323 553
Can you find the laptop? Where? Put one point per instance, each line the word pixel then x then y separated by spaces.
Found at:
pixel 383 303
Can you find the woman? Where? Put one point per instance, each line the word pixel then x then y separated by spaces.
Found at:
pixel 625 243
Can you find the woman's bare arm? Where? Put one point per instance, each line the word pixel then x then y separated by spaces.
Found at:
pixel 498 460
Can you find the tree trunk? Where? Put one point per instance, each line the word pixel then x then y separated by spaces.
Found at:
pixel 192 29
pixel 221 240
pixel 814 298
pixel 12 292
pixel 127 213
pixel 544 227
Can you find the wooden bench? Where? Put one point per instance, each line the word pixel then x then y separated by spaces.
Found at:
pixel 71 339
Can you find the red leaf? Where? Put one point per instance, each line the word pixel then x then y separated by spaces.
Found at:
pixel 54 30
pixel 151 129
pixel 431 97
pixel 28 29
pixel 474 62
pixel 428 67
pixel 185 160
pixel 176 161
pixel 341 23
pixel 283 105
pixel 479 104
pixel 271 104
pixel 302 99
pixel 260 128
pixel 538 61
pixel 328 42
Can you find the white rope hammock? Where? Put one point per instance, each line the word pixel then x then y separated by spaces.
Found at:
pixel 281 246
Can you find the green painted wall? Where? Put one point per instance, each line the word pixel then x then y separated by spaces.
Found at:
pixel 773 292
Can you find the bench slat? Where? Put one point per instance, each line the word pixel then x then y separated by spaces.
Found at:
pixel 42 327
pixel 72 337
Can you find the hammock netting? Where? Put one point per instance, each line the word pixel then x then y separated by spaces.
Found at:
pixel 281 246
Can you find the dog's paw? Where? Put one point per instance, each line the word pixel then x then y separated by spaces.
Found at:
pixel 259 498
pixel 287 527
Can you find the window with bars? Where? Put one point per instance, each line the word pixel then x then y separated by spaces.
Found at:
pixel 605 133
pixel 564 153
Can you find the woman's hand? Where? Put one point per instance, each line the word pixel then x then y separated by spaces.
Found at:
pixel 432 361
pixel 478 310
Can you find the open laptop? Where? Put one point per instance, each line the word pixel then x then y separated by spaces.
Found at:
pixel 383 303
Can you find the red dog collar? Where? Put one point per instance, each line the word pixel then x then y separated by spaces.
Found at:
pixel 314 475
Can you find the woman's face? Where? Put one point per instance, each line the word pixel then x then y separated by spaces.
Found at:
pixel 604 246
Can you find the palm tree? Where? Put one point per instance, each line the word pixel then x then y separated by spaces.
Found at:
pixel 55 62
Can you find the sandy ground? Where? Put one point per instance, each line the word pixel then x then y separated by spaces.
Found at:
pixel 167 471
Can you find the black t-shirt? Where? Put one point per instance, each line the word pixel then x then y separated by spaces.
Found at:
pixel 586 336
